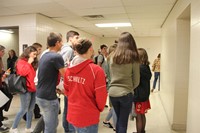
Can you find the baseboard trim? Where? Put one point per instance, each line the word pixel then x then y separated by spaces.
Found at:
pixel 178 127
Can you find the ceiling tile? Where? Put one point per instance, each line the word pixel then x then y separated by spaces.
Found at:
pixel 8 3
pixel 146 16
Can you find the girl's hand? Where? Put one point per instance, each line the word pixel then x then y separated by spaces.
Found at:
pixel 3 77
pixel 7 72
pixel 30 60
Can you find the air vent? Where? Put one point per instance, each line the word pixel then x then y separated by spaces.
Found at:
pixel 94 17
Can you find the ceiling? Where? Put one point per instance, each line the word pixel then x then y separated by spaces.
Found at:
pixel 146 16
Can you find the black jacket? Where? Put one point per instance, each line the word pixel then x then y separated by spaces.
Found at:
pixel 11 64
pixel 142 92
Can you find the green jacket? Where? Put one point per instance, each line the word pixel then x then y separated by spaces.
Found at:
pixel 124 78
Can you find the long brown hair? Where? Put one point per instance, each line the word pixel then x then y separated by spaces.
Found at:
pixel 143 56
pixel 126 51
pixel 26 53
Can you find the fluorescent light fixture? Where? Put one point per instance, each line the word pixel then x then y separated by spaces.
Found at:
pixel 7 31
pixel 114 25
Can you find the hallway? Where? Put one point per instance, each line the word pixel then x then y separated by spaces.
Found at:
pixel 156 118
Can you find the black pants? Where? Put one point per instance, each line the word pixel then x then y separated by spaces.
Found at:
pixel 36 112
pixel 1 116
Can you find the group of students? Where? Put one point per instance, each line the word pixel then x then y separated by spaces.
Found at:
pixel 129 75
pixel 85 84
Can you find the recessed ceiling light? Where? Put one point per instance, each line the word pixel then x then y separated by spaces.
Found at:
pixel 7 31
pixel 113 25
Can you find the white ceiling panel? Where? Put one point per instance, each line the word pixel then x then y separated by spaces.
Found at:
pixel 85 4
pixel 7 11
pixel 147 2
pixel 146 16
pixel 148 9
pixel 38 8
pixel 115 16
pixel 77 23
pixel 8 3
pixel 98 11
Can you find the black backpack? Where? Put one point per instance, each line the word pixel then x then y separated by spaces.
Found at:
pixel 96 59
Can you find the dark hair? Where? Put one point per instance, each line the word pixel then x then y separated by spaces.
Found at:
pixel 82 46
pixel 26 53
pixel 159 55
pixel 126 51
pixel 37 45
pixel 71 33
pixel 14 53
pixel 53 38
pixel 103 46
pixel 143 56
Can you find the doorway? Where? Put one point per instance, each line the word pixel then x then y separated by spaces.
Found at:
pixel 9 38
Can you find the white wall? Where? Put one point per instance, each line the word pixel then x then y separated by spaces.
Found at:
pixel 180 73
pixel 151 44
pixel 46 25
pixel 194 77
pixel 26 24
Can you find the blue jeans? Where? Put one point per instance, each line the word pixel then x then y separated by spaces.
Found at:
pixel 89 129
pixel 69 128
pixel 49 110
pixel 27 105
pixel 122 106
pixel 112 114
pixel 156 77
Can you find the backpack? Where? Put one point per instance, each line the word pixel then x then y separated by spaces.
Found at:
pixel 96 59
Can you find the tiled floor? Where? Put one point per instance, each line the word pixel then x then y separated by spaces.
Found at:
pixel 156 118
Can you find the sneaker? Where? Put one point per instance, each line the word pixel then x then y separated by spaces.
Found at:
pixel 4 129
pixel 29 130
pixel 132 117
pixel 5 118
pixel 37 116
pixel 14 130
pixel 107 124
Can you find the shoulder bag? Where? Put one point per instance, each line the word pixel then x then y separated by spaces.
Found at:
pixel 16 83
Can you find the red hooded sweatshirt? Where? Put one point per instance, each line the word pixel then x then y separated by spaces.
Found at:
pixel 85 87
pixel 25 69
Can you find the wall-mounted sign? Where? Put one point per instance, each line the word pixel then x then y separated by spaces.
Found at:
pixel 24 46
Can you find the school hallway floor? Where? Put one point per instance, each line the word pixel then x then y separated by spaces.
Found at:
pixel 156 118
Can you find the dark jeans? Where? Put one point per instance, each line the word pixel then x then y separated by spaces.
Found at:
pixel 69 128
pixel 156 77
pixel 122 106
pixel 1 116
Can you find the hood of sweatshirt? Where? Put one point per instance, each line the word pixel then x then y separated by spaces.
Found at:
pixel 78 64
